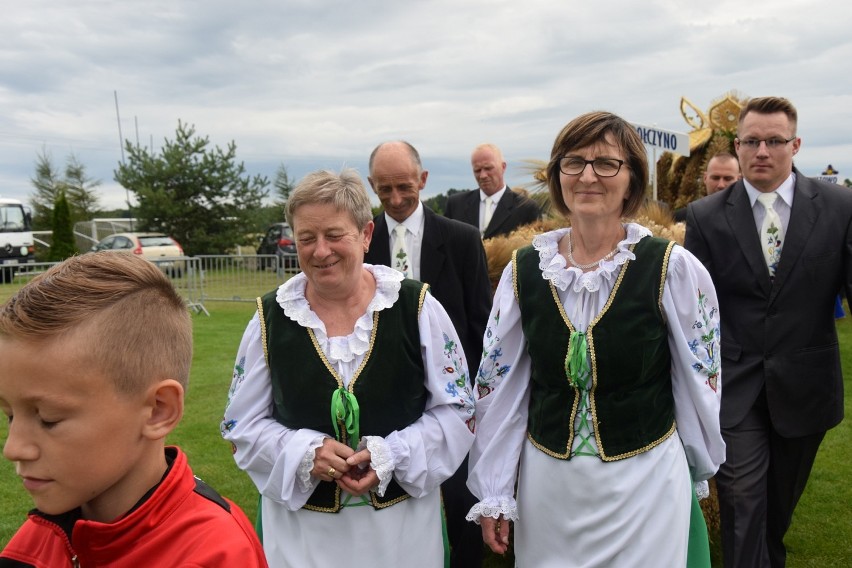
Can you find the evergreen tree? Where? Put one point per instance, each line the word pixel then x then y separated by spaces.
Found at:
pixel 49 181
pixel 199 195
pixel 283 185
pixel 63 245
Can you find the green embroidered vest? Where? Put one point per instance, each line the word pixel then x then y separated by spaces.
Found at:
pixel 631 395
pixel 389 385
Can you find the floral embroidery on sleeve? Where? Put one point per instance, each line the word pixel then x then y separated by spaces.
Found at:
pixel 705 348
pixel 236 380
pixel 490 369
pixel 458 386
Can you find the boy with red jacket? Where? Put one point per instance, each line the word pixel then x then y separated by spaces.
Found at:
pixel 94 362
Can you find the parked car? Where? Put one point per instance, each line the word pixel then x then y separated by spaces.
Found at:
pixel 160 249
pixel 279 240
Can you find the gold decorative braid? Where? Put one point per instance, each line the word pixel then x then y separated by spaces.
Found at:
pixel 334 509
pixel 323 358
pixel 422 299
pixel 374 500
pixel 334 373
pixel 555 294
pixel 259 302
pixel 663 273
pixel 339 379
pixel 515 273
pixel 550 452
pixel 366 355
pixel 671 430
pixel 641 450
pixel 590 338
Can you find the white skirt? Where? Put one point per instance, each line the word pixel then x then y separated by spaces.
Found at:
pixel 585 512
pixel 408 533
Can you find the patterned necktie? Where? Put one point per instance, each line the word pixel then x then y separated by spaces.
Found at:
pixel 771 232
pixel 486 217
pixel 400 254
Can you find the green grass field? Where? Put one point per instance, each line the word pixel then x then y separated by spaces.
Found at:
pixel 821 535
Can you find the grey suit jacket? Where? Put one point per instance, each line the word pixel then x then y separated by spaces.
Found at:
pixel 512 211
pixel 452 262
pixel 778 333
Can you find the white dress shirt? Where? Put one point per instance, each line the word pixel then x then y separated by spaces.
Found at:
pixel 783 205
pixel 495 198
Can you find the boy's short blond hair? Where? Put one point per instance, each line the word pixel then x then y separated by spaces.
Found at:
pixel 132 323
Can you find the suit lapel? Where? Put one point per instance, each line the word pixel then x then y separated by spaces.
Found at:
pixel 471 208
pixel 501 213
pixel 803 217
pixel 380 245
pixel 431 250
pixel 741 220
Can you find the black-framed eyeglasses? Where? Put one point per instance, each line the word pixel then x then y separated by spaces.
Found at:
pixel 771 143
pixel 603 167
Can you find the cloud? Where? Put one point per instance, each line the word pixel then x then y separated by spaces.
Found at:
pixel 319 83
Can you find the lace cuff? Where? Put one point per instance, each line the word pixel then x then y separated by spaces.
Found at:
pixel 381 460
pixel 307 483
pixel 702 489
pixel 494 507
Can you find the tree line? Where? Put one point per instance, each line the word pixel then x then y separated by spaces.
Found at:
pixel 197 193
pixel 189 189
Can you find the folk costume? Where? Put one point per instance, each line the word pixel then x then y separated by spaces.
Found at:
pixel 604 387
pixel 403 369
pixel 180 522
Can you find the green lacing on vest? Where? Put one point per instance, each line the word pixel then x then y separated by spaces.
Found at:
pixel 578 370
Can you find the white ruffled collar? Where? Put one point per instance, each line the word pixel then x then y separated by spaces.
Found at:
pixel 555 269
pixel 291 298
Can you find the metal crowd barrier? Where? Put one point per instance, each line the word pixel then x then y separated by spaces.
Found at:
pixel 200 279
pixel 232 278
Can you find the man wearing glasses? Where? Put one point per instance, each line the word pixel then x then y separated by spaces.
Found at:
pixel 777 245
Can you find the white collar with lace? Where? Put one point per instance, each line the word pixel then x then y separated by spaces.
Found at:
pixel 291 298
pixel 555 269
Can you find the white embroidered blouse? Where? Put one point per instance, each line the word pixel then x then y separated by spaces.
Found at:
pixel 691 310
pixel 420 457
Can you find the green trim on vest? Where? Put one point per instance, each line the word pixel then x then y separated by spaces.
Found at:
pixel 390 388
pixel 631 397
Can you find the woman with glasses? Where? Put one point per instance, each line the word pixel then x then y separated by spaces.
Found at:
pixel 599 388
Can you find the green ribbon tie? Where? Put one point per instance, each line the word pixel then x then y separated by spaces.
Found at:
pixel 344 410
pixel 577 363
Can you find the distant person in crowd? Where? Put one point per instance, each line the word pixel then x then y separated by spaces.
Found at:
pixel 94 362
pixel 779 248
pixel 350 403
pixel 493 208
pixel 723 169
pixel 599 387
pixel 448 255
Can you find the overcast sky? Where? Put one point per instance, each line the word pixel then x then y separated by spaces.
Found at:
pixel 313 83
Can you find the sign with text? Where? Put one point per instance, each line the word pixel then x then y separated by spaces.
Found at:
pixel 829 174
pixel 829 179
pixel 665 140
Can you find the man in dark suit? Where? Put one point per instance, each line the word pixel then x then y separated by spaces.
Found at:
pixel 449 256
pixel 493 208
pixel 782 387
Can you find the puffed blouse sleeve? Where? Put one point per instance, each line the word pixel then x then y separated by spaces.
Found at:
pixel 502 406
pixel 269 452
pixel 692 312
